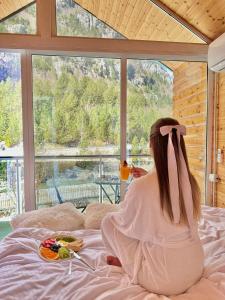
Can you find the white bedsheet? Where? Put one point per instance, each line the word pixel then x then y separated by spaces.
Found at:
pixel 24 275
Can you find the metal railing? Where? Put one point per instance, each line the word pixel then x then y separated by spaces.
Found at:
pixel 74 177
pixel 11 186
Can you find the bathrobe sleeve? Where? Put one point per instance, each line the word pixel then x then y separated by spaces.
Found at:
pixel 136 217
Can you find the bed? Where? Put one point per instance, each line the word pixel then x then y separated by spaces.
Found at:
pixel 24 275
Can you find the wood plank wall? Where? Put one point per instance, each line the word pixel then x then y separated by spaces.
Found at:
pixel 220 186
pixel 190 109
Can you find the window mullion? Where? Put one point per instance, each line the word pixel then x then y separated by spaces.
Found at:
pixel 123 116
pixel 28 140
pixel 46 19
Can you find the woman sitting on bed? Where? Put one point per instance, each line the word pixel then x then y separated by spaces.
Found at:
pixel 154 236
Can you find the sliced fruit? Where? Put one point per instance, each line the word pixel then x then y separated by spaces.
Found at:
pixel 64 253
pixel 47 243
pixel 55 247
pixel 48 253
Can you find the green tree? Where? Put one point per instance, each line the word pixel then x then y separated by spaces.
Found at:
pixel 135 145
pixel 11 112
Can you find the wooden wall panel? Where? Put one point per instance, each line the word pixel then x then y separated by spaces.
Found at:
pixel 189 108
pixel 220 186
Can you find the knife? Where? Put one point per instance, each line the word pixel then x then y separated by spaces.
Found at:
pixel 81 259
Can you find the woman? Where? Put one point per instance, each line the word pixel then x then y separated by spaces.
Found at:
pixel 154 236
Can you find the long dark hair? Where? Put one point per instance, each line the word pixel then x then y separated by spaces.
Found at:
pixel 159 144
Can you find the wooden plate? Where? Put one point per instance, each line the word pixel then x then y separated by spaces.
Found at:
pixel 57 237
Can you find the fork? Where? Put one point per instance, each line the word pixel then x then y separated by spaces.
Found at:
pixel 70 268
pixel 74 254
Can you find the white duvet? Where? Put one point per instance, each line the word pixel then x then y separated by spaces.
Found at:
pixel 24 275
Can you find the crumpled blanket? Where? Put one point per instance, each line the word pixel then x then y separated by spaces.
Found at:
pixel 24 275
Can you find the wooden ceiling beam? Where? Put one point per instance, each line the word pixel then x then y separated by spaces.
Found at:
pixel 181 20
pixel 107 47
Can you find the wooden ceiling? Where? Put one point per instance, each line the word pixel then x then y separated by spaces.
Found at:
pixel 141 19
pixel 7 7
pixel 208 16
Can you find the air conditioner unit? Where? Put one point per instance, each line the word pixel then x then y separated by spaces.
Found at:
pixel 216 54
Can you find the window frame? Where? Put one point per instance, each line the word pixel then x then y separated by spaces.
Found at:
pixel 46 42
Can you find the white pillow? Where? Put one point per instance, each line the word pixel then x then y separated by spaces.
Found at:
pixel 95 212
pixel 63 217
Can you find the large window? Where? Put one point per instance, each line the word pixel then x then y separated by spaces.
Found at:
pixel 76 123
pixel 76 114
pixel 167 89
pixel 75 97
pixel 77 127
pixel 11 141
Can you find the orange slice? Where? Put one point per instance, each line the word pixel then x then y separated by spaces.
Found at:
pixel 48 253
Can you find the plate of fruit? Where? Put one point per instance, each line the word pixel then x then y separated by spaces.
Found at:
pixel 59 248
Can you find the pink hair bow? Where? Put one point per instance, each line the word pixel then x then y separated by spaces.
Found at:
pixel 173 175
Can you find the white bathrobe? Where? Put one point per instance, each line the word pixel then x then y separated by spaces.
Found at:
pixel 161 256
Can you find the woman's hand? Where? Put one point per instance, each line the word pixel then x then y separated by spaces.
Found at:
pixel 138 172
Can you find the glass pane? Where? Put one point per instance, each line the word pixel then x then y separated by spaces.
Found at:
pixel 167 89
pixel 11 141
pixel 73 20
pixel 75 180
pixel 150 93
pixel 76 125
pixel 22 21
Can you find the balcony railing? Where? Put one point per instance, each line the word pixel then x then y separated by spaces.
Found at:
pixel 11 186
pixel 60 179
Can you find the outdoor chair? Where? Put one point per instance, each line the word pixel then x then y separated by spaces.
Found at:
pixel 79 203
